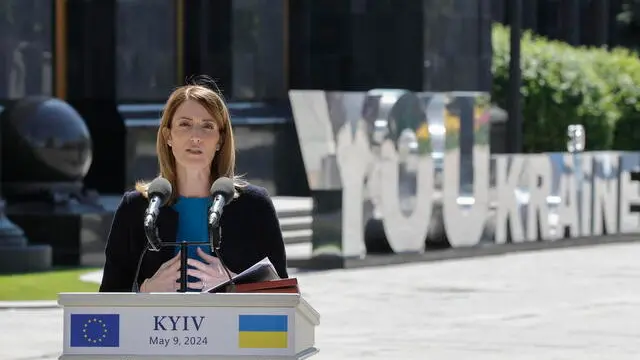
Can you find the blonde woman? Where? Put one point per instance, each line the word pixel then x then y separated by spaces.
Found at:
pixel 195 146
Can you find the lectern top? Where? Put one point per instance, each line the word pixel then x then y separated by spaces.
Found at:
pixel 179 299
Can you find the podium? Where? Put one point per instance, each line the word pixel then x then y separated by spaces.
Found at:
pixel 238 326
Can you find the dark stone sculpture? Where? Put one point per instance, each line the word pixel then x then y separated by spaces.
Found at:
pixel 16 254
pixel 48 151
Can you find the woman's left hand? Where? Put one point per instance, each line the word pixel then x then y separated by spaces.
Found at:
pixel 210 273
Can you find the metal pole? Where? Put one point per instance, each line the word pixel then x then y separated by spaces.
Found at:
pixel 602 9
pixel 574 22
pixel 514 106
pixel 183 266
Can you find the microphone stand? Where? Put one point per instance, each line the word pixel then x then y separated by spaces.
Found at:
pixel 183 259
pixel 183 263
pixel 215 239
pixel 153 244
pixel 135 287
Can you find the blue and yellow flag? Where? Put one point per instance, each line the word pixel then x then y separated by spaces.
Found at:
pixel 95 330
pixel 262 331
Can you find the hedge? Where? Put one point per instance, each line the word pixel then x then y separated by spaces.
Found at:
pixel 563 85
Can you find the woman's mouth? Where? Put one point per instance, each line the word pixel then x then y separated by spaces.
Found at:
pixel 194 151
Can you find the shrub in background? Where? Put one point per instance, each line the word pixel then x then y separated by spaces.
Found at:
pixel 563 85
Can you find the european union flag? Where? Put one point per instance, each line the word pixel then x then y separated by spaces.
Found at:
pixel 95 330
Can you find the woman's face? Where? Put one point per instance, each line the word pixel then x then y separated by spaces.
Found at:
pixel 194 136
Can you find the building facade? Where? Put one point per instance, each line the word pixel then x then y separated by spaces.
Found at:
pixel 108 58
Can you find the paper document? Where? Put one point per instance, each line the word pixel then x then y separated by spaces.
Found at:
pixel 263 270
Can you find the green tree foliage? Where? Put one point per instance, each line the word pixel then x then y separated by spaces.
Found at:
pixel 564 85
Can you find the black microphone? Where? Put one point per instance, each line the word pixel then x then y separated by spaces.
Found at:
pixel 159 192
pixel 222 191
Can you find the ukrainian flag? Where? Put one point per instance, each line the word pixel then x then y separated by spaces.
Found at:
pixel 262 331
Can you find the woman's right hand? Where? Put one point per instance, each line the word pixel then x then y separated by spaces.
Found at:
pixel 165 279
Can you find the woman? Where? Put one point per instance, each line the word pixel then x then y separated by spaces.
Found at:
pixel 195 146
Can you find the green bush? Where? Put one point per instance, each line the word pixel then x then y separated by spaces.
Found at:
pixel 621 69
pixel 563 85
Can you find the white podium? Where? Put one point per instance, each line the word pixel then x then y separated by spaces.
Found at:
pixel 234 326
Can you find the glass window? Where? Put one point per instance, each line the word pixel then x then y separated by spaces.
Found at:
pixel 258 49
pixel 26 35
pixel 146 49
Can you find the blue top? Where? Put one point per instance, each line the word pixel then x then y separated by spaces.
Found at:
pixel 192 226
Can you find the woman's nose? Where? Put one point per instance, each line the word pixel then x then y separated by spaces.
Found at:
pixel 197 131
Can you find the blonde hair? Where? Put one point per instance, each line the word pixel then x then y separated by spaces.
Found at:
pixel 223 165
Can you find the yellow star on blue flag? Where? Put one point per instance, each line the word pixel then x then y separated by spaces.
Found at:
pixel 95 330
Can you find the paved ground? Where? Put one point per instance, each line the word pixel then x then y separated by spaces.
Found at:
pixel 580 303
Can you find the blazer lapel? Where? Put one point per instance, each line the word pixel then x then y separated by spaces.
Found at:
pixel 167 224
pixel 167 230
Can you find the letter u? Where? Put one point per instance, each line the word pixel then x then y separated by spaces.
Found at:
pixel 465 216
pixel 405 233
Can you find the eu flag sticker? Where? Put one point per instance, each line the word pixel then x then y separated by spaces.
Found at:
pixel 95 330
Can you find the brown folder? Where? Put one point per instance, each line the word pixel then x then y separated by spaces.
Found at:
pixel 271 286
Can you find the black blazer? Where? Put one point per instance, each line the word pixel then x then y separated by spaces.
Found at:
pixel 250 231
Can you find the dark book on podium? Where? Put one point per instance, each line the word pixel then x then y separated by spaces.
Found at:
pixel 262 277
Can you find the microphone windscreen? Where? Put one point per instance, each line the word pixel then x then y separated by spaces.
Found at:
pixel 161 187
pixel 223 186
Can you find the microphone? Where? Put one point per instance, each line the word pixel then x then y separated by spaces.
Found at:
pixel 159 192
pixel 222 191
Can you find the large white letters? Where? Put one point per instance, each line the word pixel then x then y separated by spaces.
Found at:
pixel 405 233
pixel 605 196
pixel 585 165
pixel 539 169
pixel 353 156
pixel 568 209
pixel 629 195
pixel 507 200
pixel 464 222
pixel 536 196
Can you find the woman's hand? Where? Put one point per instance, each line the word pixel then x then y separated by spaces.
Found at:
pixel 165 279
pixel 209 273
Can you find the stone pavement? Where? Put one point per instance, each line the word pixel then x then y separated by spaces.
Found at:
pixel 575 303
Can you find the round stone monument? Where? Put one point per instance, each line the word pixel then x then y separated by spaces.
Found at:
pixel 50 148
pixel 46 152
